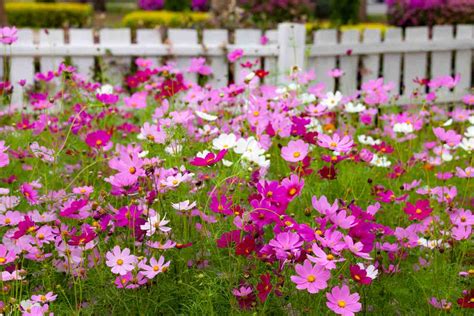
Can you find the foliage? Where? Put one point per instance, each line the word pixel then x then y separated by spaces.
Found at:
pixel 268 13
pixel 24 14
pixel 430 12
pixel 151 19
pixel 344 11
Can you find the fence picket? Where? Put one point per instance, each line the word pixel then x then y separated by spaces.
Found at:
pixel 392 62
pixel 271 63
pixel 177 37
pixel 371 63
pixel 115 66
pixel 21 67
pixel 414 63
pixel 463 63
pixel 349 64
pixel 51 39
pixel 150 38
pixel 245 37
pixel 322 65
pixel 220 70
pixel 84 64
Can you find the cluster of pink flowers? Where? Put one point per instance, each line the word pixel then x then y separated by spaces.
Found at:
pixel 308 189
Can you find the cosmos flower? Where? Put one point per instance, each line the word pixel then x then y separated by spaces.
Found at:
pixel 295 151
pixel 310 278
pixel 342 302
pixel 120 261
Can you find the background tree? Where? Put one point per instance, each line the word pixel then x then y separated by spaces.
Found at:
pixel 3 15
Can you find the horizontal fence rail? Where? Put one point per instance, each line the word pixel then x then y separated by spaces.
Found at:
pixel 398 55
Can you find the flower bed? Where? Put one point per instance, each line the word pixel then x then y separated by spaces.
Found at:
pixel 165 197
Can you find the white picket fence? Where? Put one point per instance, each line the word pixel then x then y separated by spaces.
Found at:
pixel 399 55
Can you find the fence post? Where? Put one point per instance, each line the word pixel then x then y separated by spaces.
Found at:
pixel 291 48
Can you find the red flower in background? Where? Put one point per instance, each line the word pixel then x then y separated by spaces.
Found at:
pixel 264 287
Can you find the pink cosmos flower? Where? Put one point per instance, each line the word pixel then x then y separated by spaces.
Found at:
pixel 235 55
pixel 356 248
pixel 468 99
pixel 342 302
pixel 310 278
pixel 98 139
pixel 287 245
pixel 152 133
pixel 327 260
pixel 8 35
pixel 4 159
pixel 44 298
pixel 30 194
pixel 295 151
pixel 419 211
pixel 120 261
pixel 6 256
pixel 340 219
pixel 154 268
pixel 466 173
pixel 450 137
pixel 244 296
pixel 335 143
pixel 335 73
pixel 198 65
pixel 136 100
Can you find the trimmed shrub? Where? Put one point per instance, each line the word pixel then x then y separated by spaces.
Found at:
pixel 27 14
pixel 151 19
pixel 430 12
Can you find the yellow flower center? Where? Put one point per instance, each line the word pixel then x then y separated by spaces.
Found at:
pixel 333 144
pixel 119 262
pixel 256 113
pixel 311 278
pixel 156 268
pixel 330 257
pixel 98 142
pixel 150 137
pixel 7 221
pixel 132 170
pixel 296 154
pixel 292 191
pixel 357 277
pixel 2 259
pixel 341 303
pixel 43 298
pixel 175 182
pixel 418 211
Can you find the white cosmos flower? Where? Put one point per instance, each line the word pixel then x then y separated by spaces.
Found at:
pixel 143 154
pixel 467 144
pixel 206 116
pixel 224 141
pixel 332 100
pixel 154 223
pixel 471 119
pixel 371 270
pixel 448 122
pixel 174 148
pixel 307 98
pixel 105 89
pixel 227 163
pixel 351 108
pixel 380 161
pixel 469 132
pixel 368 140
pixel 183 206
pixel 405 128
pixel 249 77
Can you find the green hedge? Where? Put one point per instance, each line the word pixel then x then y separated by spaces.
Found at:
pixel 152 19
pixel 26 14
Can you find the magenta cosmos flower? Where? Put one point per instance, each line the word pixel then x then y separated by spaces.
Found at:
pixel 120 261
pixel 295 151
pixel 97 139
pixel 419 211
pixel 335 143
pixel 287 245
pixel 342 302
pixel 310 278
pixel 235 55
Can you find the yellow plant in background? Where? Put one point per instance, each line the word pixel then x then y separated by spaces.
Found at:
pixel 151 19
pixel 31 14
pixel 313 26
